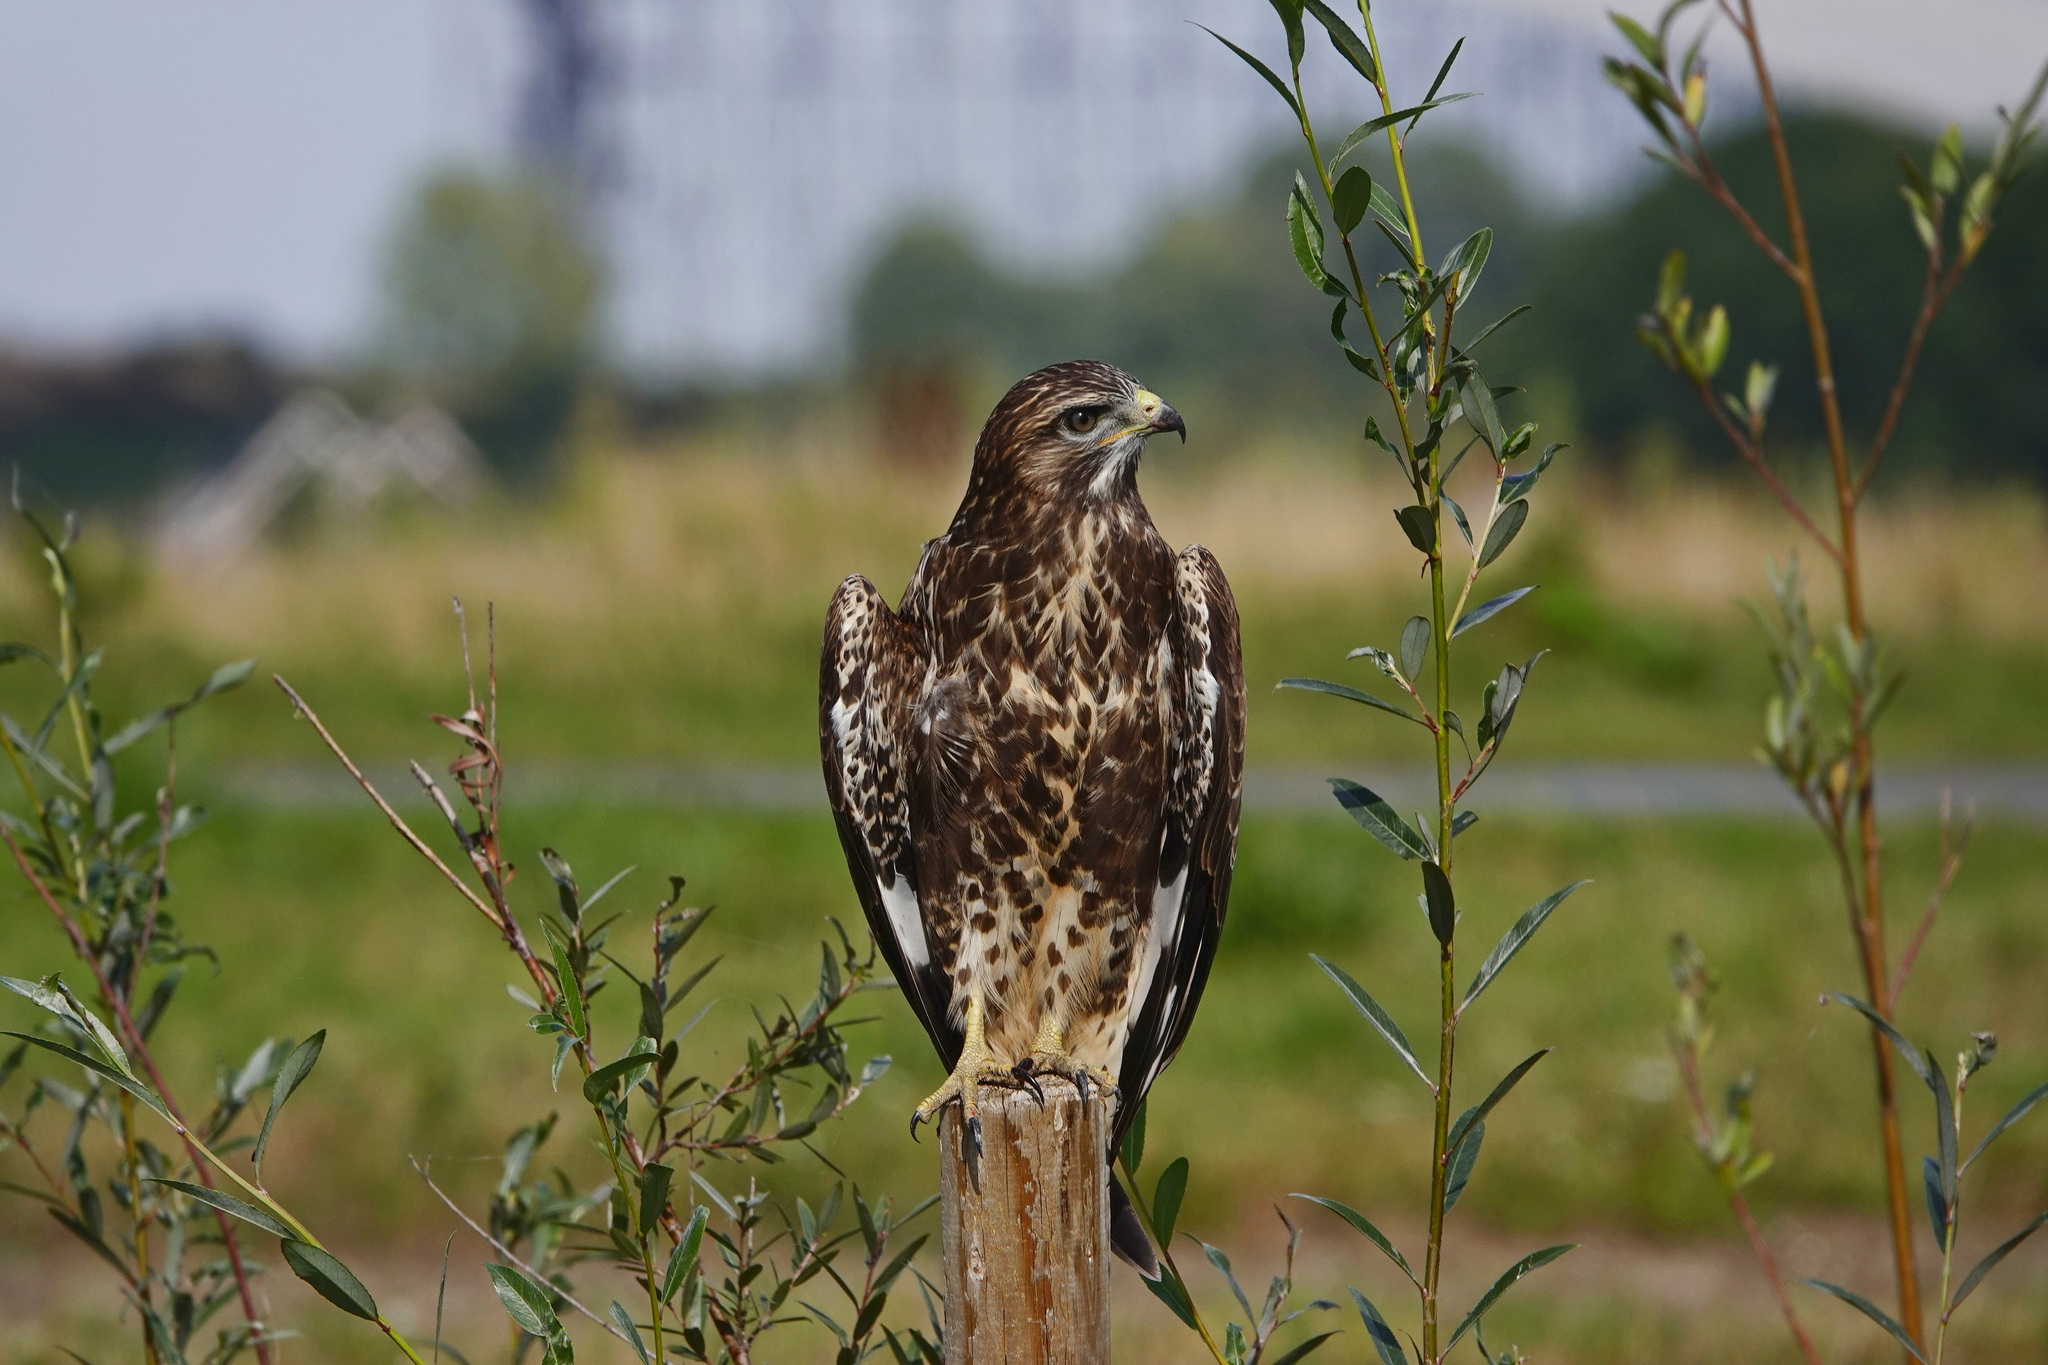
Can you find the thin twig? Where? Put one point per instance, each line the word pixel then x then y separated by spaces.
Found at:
pixel 1951 863
pixel 1934 296
pixel 538 1277
pixel 397 821
pixel 1755 460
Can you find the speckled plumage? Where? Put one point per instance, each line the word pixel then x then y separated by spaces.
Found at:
pixel 1035 759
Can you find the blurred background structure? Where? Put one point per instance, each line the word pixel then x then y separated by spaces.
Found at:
pixel 649 320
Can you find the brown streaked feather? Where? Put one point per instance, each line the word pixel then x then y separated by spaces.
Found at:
pixel 1035 759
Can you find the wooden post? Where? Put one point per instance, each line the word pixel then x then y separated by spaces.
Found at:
pixel 1027 1254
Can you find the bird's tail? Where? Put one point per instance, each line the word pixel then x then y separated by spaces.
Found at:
pixel 1127 1235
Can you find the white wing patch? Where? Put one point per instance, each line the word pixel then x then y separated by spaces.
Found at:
pixel 900 900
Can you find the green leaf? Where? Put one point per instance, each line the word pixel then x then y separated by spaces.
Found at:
pixel 1366 129
pixel 2012 1116
pixel 98 1068
pixel 1481 413
pixel 1937 1206
pixel 1379 819
pixel 1255 64
pixel 631 1333
pixel 330 1278
pixel 1383 1339
pixel 1478 1112
pixel 1512 941
pixel 1507 524
pixel 295 1069
pixel 1134 1141
pixel 1366 1229
pixel 1166 1197
pixel 1352 199
pixel 1419 527
pixel 1349 694
pixel 227 1204
pixel 1170 1291
pixel 599 1082
pixel 1998 1253
pixel 1486 611
pixel 1463 1157
pixel 1871 1311
pixel 1414 646
pixel 1517 486
pixel 565 978
pixel 654 1183
pixel 1374 1015
pixel 525 1302
pixel 1305 234
pixel 1466 260
pixel 1347 42
pixel 1535 1260
pixel 1458 515
pixel 1443 906
pixel 1444 71
pixel 1639 38
pixel 1299 1352
pixel 684 1257
pixel 1498 323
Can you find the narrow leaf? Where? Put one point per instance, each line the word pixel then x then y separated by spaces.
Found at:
pixel 1166 1197
pixel 1507 524
pixel 227 1204
pixel 1349 694
pixel 1998 1253
pixel 1535 1260
pixel 1301 1351
pixel 1374 1015
pixel 1351 199
pixel 525 1302
pixel 295 1069
pixel 1383 1339
pixel 1478 1112
pixel 1513 940
pixel 1871 1311
pixel 1463 1157
pixel 1414 646
pixel 333 1280
pixel 631 1333
pixel 1418 526
pixel 1347 42
pixel 1378 819
pixel 2012 1116
pixel 684 1258
pixel 1358 135
pixel 1255 64
pixel 1486 611
pixel 98 1068
pixel 1366 1229
pixel 1443 906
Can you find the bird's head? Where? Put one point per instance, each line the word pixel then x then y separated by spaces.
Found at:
pixel 1073 431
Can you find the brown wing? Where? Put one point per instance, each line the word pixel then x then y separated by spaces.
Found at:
pixel 870 679
pixel 1199 842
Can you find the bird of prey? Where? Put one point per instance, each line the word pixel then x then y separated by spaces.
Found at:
pixel 1035 759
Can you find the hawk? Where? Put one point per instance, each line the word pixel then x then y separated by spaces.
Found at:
pixel 1035 759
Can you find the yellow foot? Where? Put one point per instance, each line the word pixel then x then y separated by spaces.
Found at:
pixel 1058 1062
pixel 977 1067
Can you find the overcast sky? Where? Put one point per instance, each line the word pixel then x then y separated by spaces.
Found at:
pixel 233 162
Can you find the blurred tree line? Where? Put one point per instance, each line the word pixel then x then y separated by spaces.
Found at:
pixel 490 298
pixel 1206 311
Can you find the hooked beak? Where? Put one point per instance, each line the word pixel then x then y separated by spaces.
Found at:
pixel 1159 415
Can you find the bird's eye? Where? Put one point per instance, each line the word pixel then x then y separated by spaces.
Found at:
pixel 1081 421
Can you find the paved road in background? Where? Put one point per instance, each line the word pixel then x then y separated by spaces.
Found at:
pixel 1996 791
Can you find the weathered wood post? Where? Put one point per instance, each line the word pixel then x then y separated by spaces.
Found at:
pixel 1027 1254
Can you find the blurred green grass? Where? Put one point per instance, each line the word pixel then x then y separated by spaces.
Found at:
pixel 326 921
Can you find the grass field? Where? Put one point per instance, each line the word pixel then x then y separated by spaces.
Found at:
pixel 667 607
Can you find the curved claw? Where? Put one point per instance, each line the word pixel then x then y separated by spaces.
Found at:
pixel 915 1119
pixel 1022 1071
